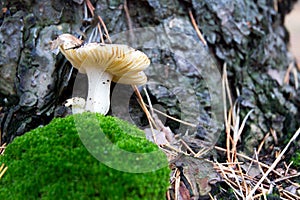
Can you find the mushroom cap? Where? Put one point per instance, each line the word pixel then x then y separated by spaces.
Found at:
pixel 124 63
pixel 66 41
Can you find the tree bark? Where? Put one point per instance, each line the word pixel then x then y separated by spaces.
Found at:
pixel 249 36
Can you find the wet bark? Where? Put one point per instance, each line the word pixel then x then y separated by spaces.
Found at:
pixel 248 35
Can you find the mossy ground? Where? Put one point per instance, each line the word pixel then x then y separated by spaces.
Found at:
pixel 52 163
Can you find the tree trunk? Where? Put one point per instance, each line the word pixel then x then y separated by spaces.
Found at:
pixel 249 36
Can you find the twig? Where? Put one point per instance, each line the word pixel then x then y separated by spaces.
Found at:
pixel 187 146
pixel 262 164
pixel 228 181
pixel 94 35
pixel 2 148
pixel 226 93
pixel 287 177
pixel 151 109
pixel 149 117
pixel 2 170
pixel 259 166
pixel 177 184
pixel 168 195
pixel 295 73
pixel 169 151
pixel 85 13
pixel 251 159
pixel 143 105
pixel 262 142
pixel 242 127
pixel 235 122
pixel 169 135
pixel 228 136
pixel 105 29
pixel 231 163
pixel 202 152
pixel 173 118
pixel 90 6
pixel 237 182
pixel 274 135
pixel 287 168
pixel 210 196
pixel 227 84
pixel 273 165
pixel 197 29
pixel 175 149
pixel 100 33
pixel 290 195
pixel 129 22
pixel 243 179
pixel 149 101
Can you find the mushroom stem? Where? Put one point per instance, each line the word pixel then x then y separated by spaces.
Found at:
pixel 98 99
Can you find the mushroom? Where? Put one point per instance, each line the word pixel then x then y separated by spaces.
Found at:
pixel 77 103
pixel 103 63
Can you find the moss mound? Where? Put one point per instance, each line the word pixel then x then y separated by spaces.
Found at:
pixel 52 163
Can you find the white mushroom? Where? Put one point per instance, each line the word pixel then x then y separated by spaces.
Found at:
pixel 77 103
pixel 103 63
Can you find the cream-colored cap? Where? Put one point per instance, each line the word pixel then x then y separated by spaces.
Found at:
pixel 66 41
pixel 124 63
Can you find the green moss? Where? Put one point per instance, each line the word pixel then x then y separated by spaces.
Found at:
pixel 52 163
pixel 296 159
